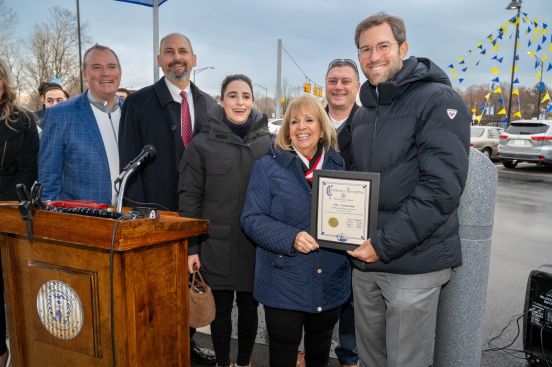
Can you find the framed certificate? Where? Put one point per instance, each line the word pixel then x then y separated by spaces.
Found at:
pixel 344 208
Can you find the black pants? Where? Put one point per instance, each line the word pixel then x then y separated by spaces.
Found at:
pixel 285 329
pixel 221 327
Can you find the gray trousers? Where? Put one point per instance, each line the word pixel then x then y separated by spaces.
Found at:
pixel 395 317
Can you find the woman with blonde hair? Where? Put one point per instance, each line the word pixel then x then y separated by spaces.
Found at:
pixel 300 285
pixel 18 161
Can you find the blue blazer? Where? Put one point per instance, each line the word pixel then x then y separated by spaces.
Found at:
pixel 72 160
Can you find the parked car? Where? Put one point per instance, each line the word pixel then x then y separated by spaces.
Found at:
pixel 486 139
pixel 526 141
pixel 274 126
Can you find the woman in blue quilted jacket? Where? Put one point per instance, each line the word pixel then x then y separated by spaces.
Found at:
pixel 300 285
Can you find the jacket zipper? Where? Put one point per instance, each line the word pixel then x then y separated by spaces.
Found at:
pixel 4 153
pixel 374 138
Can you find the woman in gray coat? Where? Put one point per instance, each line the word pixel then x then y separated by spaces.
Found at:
pixel 214 174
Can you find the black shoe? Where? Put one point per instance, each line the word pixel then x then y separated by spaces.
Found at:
pixel 203 356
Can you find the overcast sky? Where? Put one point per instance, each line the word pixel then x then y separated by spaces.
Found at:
pixel 240 36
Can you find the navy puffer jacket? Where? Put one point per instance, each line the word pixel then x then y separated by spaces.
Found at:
pixel 277 207
pixel 415 132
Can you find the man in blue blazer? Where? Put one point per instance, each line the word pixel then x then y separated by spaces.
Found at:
pixel 154 115
pixel 78 156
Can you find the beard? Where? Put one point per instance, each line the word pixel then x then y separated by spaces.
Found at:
pixel 389 75
pixel 177 75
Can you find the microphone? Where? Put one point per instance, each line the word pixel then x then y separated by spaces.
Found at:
pixel 147 152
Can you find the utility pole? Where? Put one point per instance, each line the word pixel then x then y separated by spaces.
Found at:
pixel 80 52
pixel 514 5
pixel 279 80
pixel 540 86
pixel 155 6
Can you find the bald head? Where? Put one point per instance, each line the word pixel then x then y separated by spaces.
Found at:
pixel 176 58
pixel 177 36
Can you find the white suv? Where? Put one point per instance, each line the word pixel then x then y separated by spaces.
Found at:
pixel 526 141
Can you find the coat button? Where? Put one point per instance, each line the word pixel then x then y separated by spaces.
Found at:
pixel 319 270
pixel 319 309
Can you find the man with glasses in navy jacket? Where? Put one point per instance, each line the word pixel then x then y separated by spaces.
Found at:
pixel 414 130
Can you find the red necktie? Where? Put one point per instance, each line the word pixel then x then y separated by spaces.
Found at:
pixel 186 120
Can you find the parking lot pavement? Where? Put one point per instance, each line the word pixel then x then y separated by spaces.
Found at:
pixel 526 172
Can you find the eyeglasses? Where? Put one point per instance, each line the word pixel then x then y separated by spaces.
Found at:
pixel 382 49
pixel 342 62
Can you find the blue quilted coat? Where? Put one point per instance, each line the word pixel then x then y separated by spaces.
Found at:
pixel 277 207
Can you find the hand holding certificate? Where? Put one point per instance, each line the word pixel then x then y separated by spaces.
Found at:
pixel 365 252
pixel 344 208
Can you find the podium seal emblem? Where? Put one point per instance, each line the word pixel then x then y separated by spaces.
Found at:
pixel 59 309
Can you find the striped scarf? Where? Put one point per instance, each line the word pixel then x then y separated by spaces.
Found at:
pixel 313 163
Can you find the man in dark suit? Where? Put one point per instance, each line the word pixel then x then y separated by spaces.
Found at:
pixel 165 115
pixel 342 87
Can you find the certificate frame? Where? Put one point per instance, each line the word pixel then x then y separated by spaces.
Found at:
pixel 344 208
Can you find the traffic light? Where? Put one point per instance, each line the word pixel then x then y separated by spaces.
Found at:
pixel 282 100
pixel 307 87
pixel 317 91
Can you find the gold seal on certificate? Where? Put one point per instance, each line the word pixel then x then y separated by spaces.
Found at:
pixel 344 208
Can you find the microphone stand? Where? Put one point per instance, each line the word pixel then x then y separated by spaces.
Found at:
pixel 123 178
pixel 147 152
pixel 25 207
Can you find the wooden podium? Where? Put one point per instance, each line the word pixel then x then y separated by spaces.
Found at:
pixel 58 289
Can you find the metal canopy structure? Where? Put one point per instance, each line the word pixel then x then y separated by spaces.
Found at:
pixel 154 4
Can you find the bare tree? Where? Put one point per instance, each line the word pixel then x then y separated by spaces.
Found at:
pixel 8 20
pixel 53 50
pixel 10 49
pixel 265 105
pixel 524 101
pixel 288 93
pixel 13 57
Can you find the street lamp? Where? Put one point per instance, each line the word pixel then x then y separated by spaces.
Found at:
pixel 197 71
pixel 266 96
pixel 514 5
pixel 540 85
